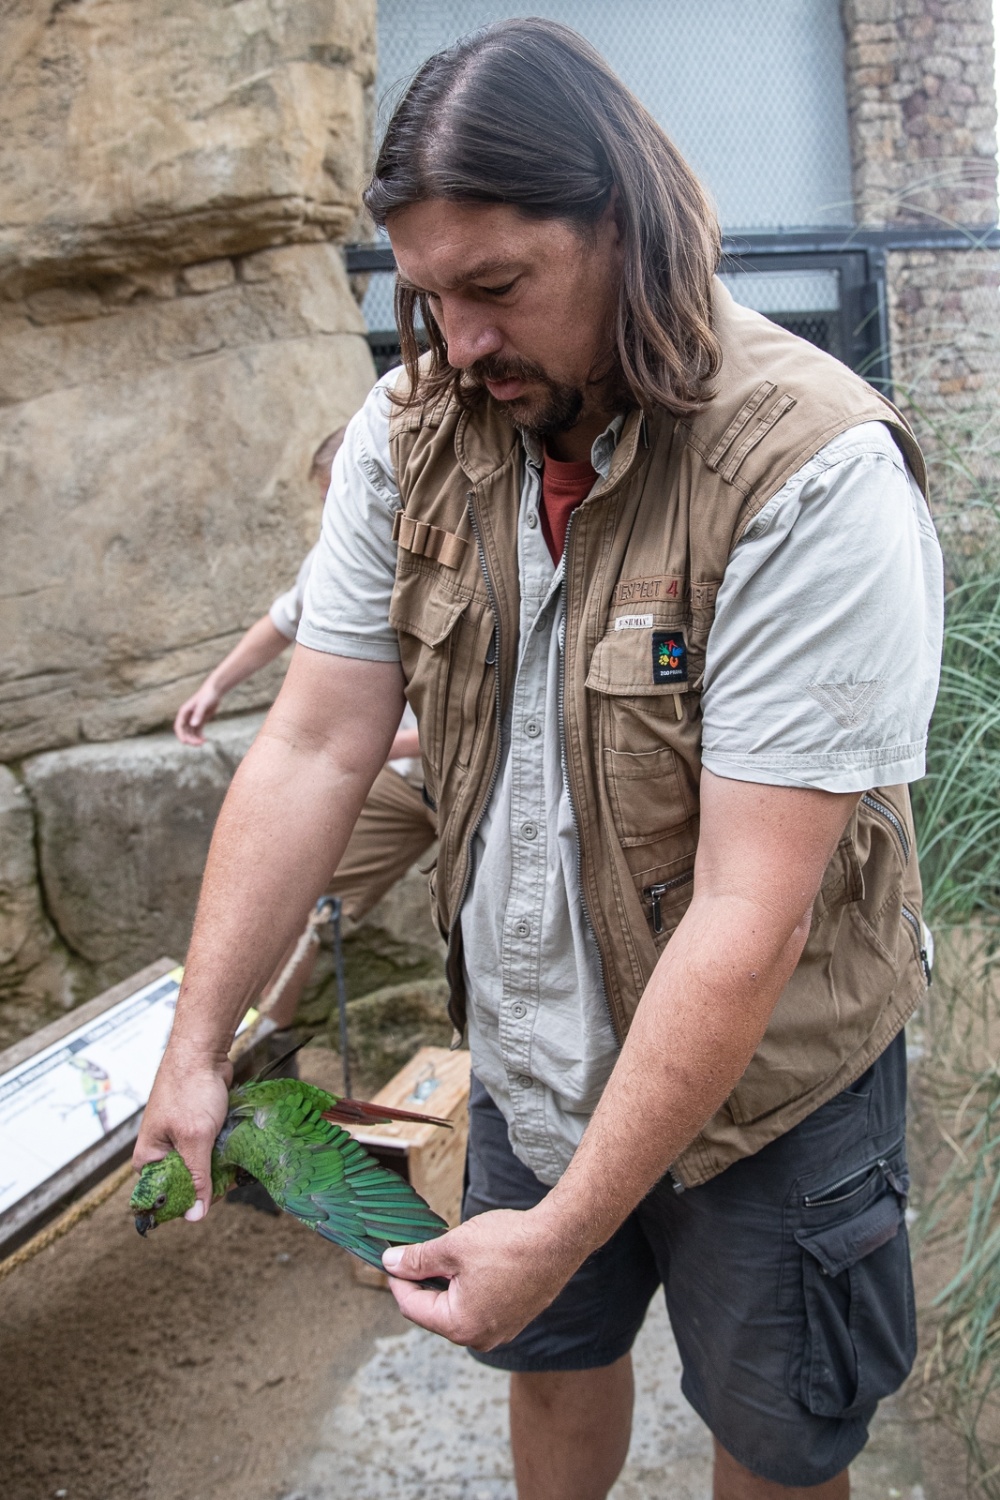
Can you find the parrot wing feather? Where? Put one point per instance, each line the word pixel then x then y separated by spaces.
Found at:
pixel 358 1112
pixel 316 1171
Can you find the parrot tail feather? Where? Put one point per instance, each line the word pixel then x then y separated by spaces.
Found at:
pixel 357 1112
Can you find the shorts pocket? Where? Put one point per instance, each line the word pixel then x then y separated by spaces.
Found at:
pixel 860 1320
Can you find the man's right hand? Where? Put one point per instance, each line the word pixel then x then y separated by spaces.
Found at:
pixel 185 1113
pixel 193 715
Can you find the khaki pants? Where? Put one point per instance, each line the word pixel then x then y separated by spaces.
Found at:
pixel 395 828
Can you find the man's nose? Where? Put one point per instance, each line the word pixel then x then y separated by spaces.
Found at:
pixel 469 336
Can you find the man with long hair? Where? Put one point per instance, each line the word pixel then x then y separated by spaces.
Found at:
pixel 660 584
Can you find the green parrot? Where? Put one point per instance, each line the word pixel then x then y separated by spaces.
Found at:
pixel 286 1135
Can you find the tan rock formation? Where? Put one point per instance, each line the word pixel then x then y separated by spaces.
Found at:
pixel 153 493
pixel 123 831
pixel 139 134
pixel 177 334
pixel 34 972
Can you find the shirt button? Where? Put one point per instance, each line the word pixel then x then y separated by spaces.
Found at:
pixel 531 519
pixel 519 1009
pixel 529 831
pixel 532 729
pixel 522 928
pixel 523 1081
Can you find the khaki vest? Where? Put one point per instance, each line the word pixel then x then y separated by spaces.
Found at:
pixel 653 538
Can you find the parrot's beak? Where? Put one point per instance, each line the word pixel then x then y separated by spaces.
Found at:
pixel 145 1222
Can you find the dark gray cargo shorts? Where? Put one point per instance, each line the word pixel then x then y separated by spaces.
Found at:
pixel 787 1279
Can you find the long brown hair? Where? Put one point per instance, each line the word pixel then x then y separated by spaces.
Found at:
pixel 526 112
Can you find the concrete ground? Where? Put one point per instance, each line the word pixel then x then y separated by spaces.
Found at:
pixel 421 1420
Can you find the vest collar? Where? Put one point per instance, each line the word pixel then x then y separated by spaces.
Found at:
pixel 485 441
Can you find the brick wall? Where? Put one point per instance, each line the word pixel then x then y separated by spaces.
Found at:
pixel 922 107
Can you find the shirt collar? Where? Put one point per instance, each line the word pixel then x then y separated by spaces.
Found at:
pixel 601 453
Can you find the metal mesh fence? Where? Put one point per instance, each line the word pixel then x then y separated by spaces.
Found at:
pixel 753 95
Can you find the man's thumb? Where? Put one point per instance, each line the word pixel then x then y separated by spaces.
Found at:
pixel 201 1176
pixel 409 1262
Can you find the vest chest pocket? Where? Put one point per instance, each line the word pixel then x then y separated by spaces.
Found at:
pixel 649 733
pixel 444 634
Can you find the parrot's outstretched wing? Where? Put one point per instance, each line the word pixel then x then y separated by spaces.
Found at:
pixel 346 1196
pixel 314 1169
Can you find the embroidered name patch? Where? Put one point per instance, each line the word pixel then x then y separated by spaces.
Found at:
pixel 648 590
pixel 670 658
pixel 633 622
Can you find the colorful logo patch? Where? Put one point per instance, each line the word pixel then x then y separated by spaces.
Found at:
pixel 670 658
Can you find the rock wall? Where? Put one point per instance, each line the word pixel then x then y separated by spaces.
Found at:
pixel 153 491
pixel 155 133
pixel 922 105
pixel 177 334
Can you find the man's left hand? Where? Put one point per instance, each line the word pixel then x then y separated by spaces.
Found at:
pixel 503 1268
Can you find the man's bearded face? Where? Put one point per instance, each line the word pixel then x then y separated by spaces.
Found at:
pixel 547 407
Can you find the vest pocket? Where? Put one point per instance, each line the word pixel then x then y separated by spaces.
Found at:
pixel 424 615
pixel 646 794
pixel 859 1335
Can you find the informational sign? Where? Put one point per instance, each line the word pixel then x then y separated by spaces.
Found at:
pixel 56 1105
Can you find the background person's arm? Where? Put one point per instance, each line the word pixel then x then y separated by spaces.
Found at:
pixel 406 745
pixel 261 645
pixel 280 835
pixel 761 856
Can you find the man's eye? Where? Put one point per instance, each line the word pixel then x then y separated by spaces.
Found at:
pixel 497 291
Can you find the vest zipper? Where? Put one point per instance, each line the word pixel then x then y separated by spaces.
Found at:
pixel 914 921
pixel 877 805
pixel 492 658
pixel 655 893
pixel 564 760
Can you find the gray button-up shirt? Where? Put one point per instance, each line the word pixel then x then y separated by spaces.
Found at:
pixel 539 1026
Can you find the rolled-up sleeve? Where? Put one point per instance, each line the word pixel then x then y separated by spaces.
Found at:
pixel 823 659
pixel 346 607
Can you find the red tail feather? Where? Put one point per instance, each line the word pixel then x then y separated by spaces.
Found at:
pixel 357 1112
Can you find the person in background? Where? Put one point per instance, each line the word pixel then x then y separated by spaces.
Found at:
pixel 396 826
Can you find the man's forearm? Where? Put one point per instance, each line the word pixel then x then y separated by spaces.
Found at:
pixel 697 1027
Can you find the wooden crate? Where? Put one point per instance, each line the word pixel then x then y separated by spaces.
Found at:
pixel 432 1160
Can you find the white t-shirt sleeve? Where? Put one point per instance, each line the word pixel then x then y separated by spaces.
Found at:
pixel 286 611
pixel 823 659
pixel 346 607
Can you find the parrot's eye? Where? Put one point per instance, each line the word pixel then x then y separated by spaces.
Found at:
pixel 161 1200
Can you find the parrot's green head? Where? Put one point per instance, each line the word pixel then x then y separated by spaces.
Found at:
pixel 165 1190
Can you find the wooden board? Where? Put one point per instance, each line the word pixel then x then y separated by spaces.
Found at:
pixel 79 1176
pixel 76 1177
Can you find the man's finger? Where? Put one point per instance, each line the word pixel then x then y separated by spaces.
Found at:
pixel 430 1310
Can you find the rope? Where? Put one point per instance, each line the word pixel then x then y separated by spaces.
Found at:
pixel 82 1209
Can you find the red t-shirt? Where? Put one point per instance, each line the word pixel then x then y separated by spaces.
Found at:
pixel 563 487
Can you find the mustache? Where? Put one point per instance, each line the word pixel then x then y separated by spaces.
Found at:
pixel 494 367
